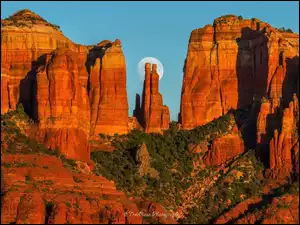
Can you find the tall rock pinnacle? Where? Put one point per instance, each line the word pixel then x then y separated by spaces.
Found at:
pixel 155 116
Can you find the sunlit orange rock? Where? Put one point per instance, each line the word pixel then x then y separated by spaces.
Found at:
pixel 231 65
pixel 108 95
pixel 265 110
pixel 156 116
pixel 224 148
pixel 283 147
pixel 63 104
pixel 25 38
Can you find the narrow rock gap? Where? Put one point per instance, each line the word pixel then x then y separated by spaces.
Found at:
pixel 48 210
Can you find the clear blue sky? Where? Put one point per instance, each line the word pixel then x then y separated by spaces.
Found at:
pixel 154 29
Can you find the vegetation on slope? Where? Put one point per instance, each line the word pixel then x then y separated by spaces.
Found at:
pixel 15 141
pixel 205 194
pixel 241 179
pixel 169 156
pixel 22 17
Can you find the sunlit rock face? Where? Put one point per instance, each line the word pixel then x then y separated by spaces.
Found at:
pixel 108 94
pixel 70 92
pixel 231 65
pixel 25 38
pixel 155 116
pixel 284 146
pixel 224 148
pixel 63 104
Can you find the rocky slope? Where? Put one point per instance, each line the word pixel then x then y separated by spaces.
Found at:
pixel 42 186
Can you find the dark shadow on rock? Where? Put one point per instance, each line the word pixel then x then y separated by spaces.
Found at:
pixel 28 89
pixel 137 112
pixel 262 205
pixel 252 74
pixel 290 83
pixel 94 53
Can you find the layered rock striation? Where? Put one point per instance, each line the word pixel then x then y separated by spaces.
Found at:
pixel 63 104
pixel 25 38
pixel 108 95
pixel 231 65
pixel 72 92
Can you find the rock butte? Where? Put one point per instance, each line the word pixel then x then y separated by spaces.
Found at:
pixel 232 64
pixel 72 91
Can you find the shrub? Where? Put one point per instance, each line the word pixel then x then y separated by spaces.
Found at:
pixel 76 179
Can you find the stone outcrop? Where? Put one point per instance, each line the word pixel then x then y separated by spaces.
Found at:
pixel 284 146
pixel 144 160
pixel 133 123
pixel 282 209
pixel 224 148
pixel 25 38
pixel 66 196
pixel 231 65
pixel 72 93
pixel 108 95
pixel 265 111
pixel 63 104
pixel 155 116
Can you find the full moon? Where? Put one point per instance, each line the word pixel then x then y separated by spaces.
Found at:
pixel 151 60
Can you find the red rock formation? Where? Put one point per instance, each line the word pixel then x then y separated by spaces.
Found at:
pixel 229 65
pixel 66 196
pixel 156 116
pixel 4 93
pixel 108 96
pixel 283 146
pixel 63 104
pixel 243 212
pixel 26 40
pixel 224 148
pixel 133 123
pixel 275 91
pixel 265 110
pixel 25 37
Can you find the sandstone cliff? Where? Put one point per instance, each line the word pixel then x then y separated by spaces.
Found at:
pixel 25 38
pixel 72 93
pixel 284 146
pixel 63 104
pixel 108 95
pixel 224 148
pixel 231 64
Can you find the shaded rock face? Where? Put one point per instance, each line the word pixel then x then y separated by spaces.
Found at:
pixel 278 122
pixel 154 116
pixel 224 148
pixel 107 89
pixel 63 104
pixel 231 65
